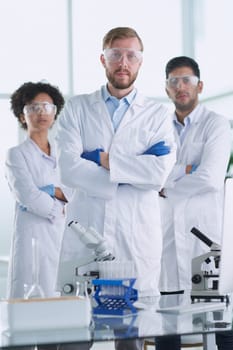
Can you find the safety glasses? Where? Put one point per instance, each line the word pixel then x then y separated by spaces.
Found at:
pixel 188 80
pixel 115 55
pixel 40 107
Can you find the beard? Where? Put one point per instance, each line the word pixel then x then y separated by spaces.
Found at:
pixel 121 85
pixel 185 107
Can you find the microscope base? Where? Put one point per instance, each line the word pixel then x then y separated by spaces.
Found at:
pixel 208 296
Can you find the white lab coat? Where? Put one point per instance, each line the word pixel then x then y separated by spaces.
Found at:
pixel 195 199
pixel 28 168
pixel 127 214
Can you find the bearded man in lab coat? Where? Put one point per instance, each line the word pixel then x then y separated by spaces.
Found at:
pixel 116 149
pixel 193 193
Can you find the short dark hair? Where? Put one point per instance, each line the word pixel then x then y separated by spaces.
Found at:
pixel 120 33
pixel 182 61
pixel 28 91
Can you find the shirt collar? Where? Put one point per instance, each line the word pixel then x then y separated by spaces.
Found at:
pixel 191 117
pixel 128 98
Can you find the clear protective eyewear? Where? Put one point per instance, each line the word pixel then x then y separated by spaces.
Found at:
pixel 40 107
pixel 188 80
pixel 115 55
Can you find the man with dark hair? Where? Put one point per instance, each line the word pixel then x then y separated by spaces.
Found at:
pixel 180 62
pixel 193 193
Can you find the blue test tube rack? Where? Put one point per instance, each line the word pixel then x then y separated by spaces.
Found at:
pixel 114 304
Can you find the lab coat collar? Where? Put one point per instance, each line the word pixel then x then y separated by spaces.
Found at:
pixel 128 98
pixel 97 97
pixel 194 116
pixel 96 101
pixel 34 145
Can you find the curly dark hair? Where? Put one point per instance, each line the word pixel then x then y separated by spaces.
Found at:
pixel 28 91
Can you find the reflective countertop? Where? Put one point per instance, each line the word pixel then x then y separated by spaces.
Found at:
pixel 150 320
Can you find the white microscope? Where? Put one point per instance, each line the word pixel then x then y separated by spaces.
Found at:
pixel 69 274
pixel 205 282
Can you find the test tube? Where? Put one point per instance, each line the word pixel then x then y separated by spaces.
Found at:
pixel 35 291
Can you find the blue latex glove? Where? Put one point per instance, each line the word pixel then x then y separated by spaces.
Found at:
pixel 158 149
pixel 194 168
pixel 50 189
pixel 93 156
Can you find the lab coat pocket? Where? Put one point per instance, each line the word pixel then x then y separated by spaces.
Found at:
pixel 195 153
pixel 133 140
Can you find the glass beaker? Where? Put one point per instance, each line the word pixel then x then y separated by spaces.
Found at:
pixel 35 290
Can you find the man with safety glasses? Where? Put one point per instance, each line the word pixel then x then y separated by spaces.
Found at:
pixel 117 149
pixel 193 193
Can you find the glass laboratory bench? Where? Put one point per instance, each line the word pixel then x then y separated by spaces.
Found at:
pixel 73 323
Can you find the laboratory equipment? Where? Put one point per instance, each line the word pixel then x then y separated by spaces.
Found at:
pixel 216 319
pixel 205 280
pixel 114 292
pixel 115 303
pixel 192 308
pixel 35 290
pixel 20 315
pixel 220 283
pixel 69 271
pixel 226 263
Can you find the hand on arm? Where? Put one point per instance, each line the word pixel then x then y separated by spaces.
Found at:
pixel 54 192
pixel 158 149
pixel 60 195
pixel 104 160
pixel 93 156
pixel 190 168
pixel 97 156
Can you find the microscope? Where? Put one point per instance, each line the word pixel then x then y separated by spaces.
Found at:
pixel 72 281
pixel 112 295
pixel 205 282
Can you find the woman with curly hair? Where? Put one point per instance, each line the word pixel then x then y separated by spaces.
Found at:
pixel 33 178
